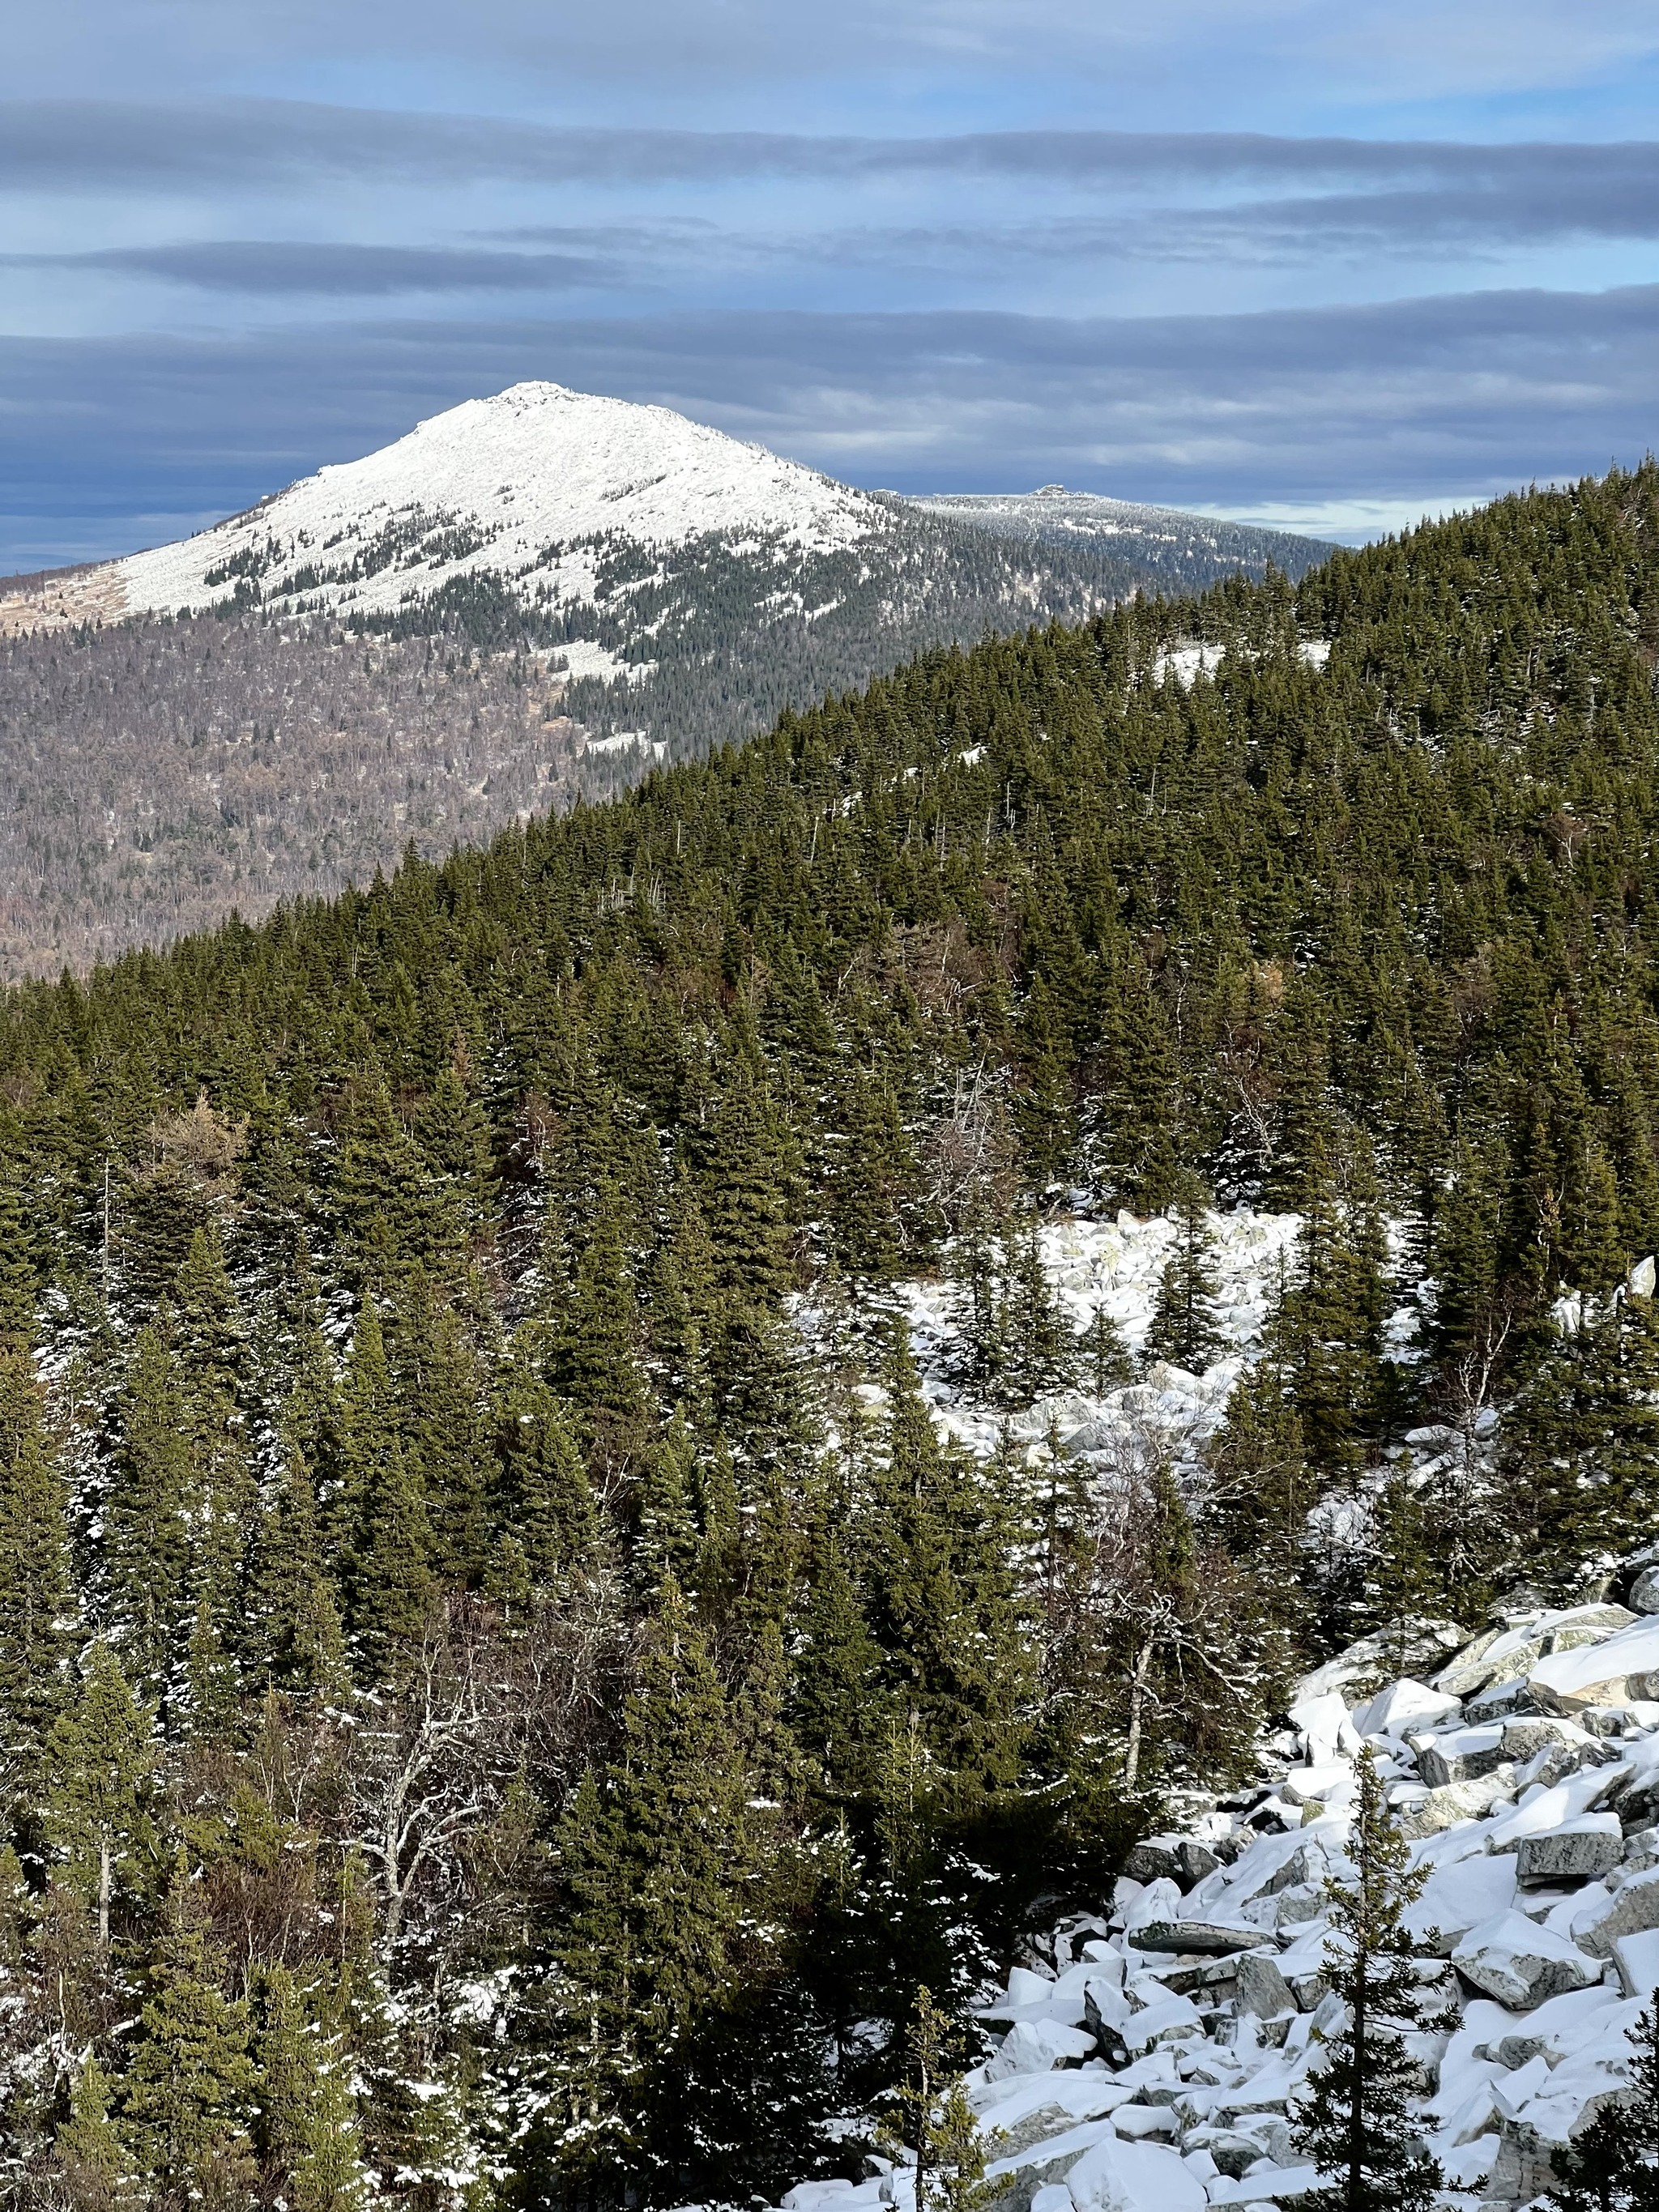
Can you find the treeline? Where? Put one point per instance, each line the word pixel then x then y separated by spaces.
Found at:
pixel 501 1677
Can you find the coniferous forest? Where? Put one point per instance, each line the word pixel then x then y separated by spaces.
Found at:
pixel 506 1692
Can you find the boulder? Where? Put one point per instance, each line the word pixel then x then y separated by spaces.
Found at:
pixel 1615 1670
pixel 1458 1801
pixel 1038 2046
pixel 1117 2176
pixel 1154 1858
pixel 1309 1785
pixel 1262 1989
pixel 1644 1591
pixel 1172 2019
pixel 1509 1654
pixel 1194 1862
pixel 1204 1939
pixel 1159 1900
pixel 1302 1902
pixel 1631 1911
pixel 1405 1705
pixel 1323 1723
pixel 1577 1851
pixel 1135 2121
pixel 1462 1754
pixel 1234 2153
pixel 1636 1958
pixel 1520 1964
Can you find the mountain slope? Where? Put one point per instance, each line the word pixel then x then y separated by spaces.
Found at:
pixel 529 598
pixel 605 1430
pixel 1178 552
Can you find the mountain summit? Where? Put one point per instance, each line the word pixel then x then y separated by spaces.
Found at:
pixel 545 593
pixel 503 487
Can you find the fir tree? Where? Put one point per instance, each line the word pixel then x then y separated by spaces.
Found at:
pixel 37 1602
pixel 1184 1329
pixel 101 1794
pixel 189 2086
pixel 1355 2124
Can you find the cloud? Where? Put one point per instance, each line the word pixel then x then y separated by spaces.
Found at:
pixel 62 145
pixel 282 266
pixel 1250 49
pixel 1428 401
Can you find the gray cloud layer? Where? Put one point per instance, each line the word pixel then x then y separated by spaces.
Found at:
pixel 61 145
pixel 1460 396
pixel 281 266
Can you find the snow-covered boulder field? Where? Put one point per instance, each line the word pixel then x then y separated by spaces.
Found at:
pixel 1150 2057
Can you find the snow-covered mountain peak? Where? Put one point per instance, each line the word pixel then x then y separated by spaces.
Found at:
pixel 490 487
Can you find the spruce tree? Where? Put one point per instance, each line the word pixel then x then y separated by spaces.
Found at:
pixel 37 1600
pixel 1355 2124
pixel 545 1501
pixel 144 1564
pixel 1108 1362
pixel 190 2083
pixel 294 1630
pixel 664 1871
pixel 1585 1449
pixel 933 2128
pixel 1184 1329
pixel 102 1799
pixel 88 2152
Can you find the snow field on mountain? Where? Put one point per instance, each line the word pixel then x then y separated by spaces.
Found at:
pixel 532 466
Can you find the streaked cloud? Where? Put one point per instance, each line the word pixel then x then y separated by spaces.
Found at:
pixel 1337 415
pixel 279 266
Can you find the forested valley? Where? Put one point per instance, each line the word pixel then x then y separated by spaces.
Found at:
pixel 506 1690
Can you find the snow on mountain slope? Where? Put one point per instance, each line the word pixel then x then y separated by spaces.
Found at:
pixel 1186 550
pixel 489 486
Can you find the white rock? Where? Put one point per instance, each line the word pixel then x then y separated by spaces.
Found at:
pixel 1624 1667
pixel 1404 1705
pixel 1038 2046
pixel 1521 1964
pixel 1134 2177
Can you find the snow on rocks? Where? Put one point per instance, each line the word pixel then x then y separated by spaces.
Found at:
pixel 1159 2067
pixel 1611 1673
pixel 1521 1964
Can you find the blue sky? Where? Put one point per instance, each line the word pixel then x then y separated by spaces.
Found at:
pixel 1328 266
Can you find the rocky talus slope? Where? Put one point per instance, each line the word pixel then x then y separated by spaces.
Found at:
pixel 1152 2058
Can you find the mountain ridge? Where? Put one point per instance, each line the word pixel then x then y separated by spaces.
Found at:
pixel 527 599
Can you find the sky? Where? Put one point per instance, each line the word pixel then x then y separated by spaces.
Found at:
pixel 1327 267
